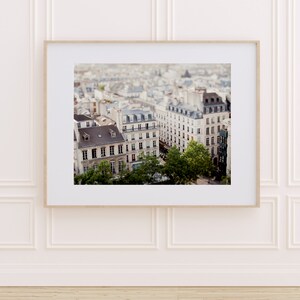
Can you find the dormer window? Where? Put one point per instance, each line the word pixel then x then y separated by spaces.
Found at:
pixel 112 133
pixel 206 100
pixel 87 124
pixel 85 137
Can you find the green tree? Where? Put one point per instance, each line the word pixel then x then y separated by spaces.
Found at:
pixel 198 160
pixel 176 168
pixel 102 175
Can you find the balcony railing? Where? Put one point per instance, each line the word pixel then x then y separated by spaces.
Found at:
pixel 141 129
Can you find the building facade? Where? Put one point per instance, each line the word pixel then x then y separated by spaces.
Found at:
pixel 96 144
pixel 194 115
pixel 140 131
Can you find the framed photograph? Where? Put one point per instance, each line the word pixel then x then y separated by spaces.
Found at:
pixel 152 123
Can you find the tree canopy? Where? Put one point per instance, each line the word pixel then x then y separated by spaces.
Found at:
pixel 178 168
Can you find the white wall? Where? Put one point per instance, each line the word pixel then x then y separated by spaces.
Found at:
pixel 148 246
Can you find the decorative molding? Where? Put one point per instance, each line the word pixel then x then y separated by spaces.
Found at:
pixel 30 182
pixel 170 20
pixel 143 275
pixel 154 24
pixel 152 245
pixel 291 235
pixel 49 22
pixel 291 92
pixel 268 245
pixel 273 181
pixel 31 217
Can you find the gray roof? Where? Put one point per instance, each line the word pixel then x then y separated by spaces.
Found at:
pixel 80 118
pixel 100 136
pixel 212 99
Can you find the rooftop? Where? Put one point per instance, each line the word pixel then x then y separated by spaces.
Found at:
pixel 212 99
pixel 100 136
pixel 80 118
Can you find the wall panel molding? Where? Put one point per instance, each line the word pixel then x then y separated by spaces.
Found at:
pixel 291 92
pixel 271 243
pixel 293 229
pixel 30 222
pixel 153 244
pixel 273 181
pixel 30 181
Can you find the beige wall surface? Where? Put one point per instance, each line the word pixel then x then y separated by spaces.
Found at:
pixel 144 246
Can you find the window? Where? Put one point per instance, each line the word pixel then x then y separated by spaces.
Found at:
pixel 218 119
pixel 94 153
pixel 192 130
pixel 140 136
pixel 154 133
pixel 132 147
pixel 112 167
pixel 221 108
pixel 182 127
pixel 207 141
pixel 85 169
pixel 84 155
pixel 132 137
pixel 147 135
pixel 79 125
pixel 212 151
pixel 212 130
pixel 218 139
pixel 127 148
pixel 198 130
pixel 215 109
pixel 120 149
pixel 154 144
pixel 140 145
pixel 120 165
pixel 207 130
pixel 132 127
pixel 207 121
pixel 183 135
pixel 188 129
pixel 218 128
pixel 188 137
pixel 124 128
pixel 112 150
pixel 87 124
pixel 154 153
pixel 103 152
pixel 212 140
pixel 139 126
pixel 147 126
pixel 133 157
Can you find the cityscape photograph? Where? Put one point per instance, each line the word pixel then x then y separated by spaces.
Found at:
pixel 157 124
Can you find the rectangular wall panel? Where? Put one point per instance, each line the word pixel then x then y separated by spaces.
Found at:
pixel 16 122
pixel 102 228
pixel 100 19
pixel 294 222
pixel 239 20
pixel 224 228
pixel 293 95
pixel 16 223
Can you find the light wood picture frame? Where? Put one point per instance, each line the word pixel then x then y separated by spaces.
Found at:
pixel 63 147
